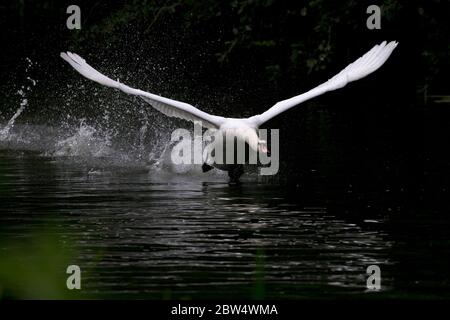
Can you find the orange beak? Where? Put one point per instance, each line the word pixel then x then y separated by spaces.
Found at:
pixel 262 147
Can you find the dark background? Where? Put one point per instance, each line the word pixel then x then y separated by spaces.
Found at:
pixel 376 148
pixel 237 58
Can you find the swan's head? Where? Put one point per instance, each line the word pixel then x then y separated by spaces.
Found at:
pixel 262 146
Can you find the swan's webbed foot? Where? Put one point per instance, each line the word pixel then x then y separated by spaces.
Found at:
pixel 235 172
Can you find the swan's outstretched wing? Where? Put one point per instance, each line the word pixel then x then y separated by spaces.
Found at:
pixel 169 107
pixel 362 67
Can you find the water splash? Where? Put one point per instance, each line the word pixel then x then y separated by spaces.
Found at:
pixel 5 132
pixel 125 138
pixel 84 143
pixel 23 93
pixel 142 135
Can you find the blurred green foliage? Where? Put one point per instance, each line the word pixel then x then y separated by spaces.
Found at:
pixel 34 267
pixel 284 46
pixel 289 39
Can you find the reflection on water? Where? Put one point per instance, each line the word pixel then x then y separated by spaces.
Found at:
pixel 142 234
pixel 157 235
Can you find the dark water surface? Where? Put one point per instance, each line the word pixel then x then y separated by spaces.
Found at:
pixel 136 233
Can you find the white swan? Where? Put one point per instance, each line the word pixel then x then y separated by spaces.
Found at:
pixel 244 129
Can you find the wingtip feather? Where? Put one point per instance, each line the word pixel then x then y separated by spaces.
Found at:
pixel 64 56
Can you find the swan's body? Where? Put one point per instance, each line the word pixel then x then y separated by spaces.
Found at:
pixel 244 129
